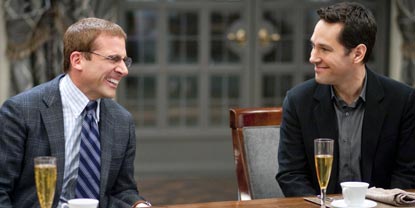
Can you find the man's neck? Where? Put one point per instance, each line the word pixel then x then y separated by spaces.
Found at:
pixel 350 89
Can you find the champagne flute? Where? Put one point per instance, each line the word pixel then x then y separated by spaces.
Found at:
pixel 323 158
pixel 45 178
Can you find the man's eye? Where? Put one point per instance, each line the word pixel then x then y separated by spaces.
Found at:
pixel 325 49
pixel 115 58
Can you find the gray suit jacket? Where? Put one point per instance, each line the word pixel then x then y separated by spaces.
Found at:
pixel 388 140
pixel 31 125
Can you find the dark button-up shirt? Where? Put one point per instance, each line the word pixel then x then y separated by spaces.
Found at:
pixel 349 121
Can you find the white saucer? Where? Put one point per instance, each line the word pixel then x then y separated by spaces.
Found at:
pixel 342 204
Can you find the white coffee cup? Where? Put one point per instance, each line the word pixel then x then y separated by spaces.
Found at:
pixel 354 193
pixel 81 203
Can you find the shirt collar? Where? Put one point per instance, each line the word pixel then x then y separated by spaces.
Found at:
pixel 361 97
pixel 77 99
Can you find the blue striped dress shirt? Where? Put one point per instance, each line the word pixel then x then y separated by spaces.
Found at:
pixel 73 104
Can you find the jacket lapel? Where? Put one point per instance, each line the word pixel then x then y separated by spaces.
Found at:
pixel 324 113
pixel 372 123
pixel 52 118
pixel 106 128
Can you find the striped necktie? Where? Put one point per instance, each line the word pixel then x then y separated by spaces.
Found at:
pixel 89 156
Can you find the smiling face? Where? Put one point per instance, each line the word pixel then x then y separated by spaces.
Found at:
pixel 333 63
pixel 95 75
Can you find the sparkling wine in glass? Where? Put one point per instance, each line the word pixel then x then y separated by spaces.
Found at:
pixel 323 158
pixel 45 178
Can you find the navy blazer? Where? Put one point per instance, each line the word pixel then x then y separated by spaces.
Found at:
pixel 388 141
pixel 31 125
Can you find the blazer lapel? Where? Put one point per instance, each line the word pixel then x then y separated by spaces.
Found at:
pixel 324 113
pixel 326 122
pixel 52 118
pixel 372 123
pixel 106 129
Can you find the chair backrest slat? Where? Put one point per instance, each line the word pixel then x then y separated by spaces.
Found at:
pixel 255 136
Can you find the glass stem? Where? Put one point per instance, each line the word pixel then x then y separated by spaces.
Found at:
pixel 323 198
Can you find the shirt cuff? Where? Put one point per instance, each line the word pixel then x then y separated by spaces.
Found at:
pixel 141 203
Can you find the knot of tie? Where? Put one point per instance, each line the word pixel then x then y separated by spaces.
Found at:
pixel 91 106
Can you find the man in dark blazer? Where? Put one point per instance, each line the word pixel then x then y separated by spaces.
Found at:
pixel 46 121
pixel 370 117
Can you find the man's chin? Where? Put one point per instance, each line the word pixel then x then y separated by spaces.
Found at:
pixel 109 95
pixel 320 80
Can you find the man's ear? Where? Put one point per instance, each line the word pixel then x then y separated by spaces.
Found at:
pixel 359 53
pixel 76 60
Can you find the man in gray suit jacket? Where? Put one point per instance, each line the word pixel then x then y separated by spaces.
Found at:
pixel 47 120
pixel 370 117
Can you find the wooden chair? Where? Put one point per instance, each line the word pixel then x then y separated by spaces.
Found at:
pixel 255 135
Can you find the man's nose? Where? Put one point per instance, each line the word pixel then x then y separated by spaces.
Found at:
pixel 122 69
pixel 314 58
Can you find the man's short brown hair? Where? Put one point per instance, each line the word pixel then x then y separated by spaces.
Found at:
pixel 81 35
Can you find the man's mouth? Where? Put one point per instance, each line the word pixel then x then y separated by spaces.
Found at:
pixel 319 68
pixel 114 82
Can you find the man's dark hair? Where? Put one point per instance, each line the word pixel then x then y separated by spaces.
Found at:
pixel 359 24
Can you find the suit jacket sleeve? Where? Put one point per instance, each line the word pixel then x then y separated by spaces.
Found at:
pixel 12 139
pixel 124 192
pixel 403 175
pixel 294 175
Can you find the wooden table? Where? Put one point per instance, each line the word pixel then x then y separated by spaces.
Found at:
pixel 289 202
